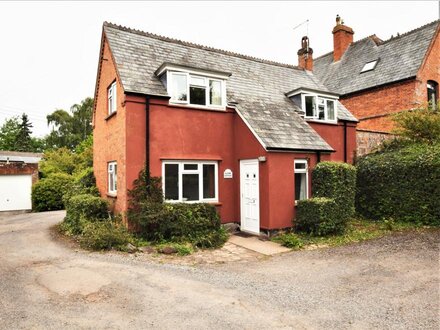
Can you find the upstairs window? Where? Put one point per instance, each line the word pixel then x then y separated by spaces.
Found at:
pixel 186 88
pixel 369 66
pixel 111 98
pixel 112 170
pixel 319 108
pixel 432 88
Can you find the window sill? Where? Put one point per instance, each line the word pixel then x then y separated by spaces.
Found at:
pixel 111 115
pixel 321 121
pixel 112 195
pixel 198 107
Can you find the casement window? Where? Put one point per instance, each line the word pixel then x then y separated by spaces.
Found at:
pixel 112 171
pixel 301 180
pixel 432 88
pixel 190 89
pixel 190 181
pixel 319 108
pixel 111 98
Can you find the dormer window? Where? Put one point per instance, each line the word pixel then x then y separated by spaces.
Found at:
pixel 194 87
pixel 319 108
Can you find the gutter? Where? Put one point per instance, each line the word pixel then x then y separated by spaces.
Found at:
pixel 298 150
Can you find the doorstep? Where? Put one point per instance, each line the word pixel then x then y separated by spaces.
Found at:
pixel 254 243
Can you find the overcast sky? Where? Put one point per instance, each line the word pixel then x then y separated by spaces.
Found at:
pixel 49 50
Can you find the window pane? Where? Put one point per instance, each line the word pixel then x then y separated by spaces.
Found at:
pixel 197 95
pixel 321 111
pixel 190 166
pixel 300 186
pixel 215 92
pixel 172 181
pixel 208 181
pixel 198 81
pixel 179 87
pixel 299 166
pixel 115 177
pixel 190 187
pixel 310 106
pixel 330 110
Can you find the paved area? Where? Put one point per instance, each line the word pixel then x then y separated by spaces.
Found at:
pixel 389 283
pixel 255 244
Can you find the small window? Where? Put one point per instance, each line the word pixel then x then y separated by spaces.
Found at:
pixel 369 66
pixel 319 108
pixel 111 102
pixel 432 88
pixel 301 180
pixel 190 181
pixel 195 90
pixel 112 169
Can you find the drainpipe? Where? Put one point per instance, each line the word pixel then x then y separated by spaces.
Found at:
pixel 345 141
pixel 147 138
pixel 318 154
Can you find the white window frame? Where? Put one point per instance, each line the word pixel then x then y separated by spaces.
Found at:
pixel 302 171
pixel 111 98
pixel 369 66
pixel 112 171
pixel 207 79
pixel 199 171
pixel 316 111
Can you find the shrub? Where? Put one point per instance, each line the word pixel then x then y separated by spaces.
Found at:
pixel 47 194
pixel 104 235
pixel 400 183
pixel 84 208
pixel 290 240
pixel 61 160
pixel 319 216
pixel 336 181
pixel 86 177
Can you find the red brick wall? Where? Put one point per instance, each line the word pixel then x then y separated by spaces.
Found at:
pixel 109 134
pixel 342 38
pixel 20 168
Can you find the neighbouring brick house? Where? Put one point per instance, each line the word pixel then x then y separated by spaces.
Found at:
pixel 236 131
pixel 376 78
pixel 18 172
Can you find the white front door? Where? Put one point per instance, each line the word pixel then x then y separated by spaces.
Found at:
pixel 15 192
pixel 250 196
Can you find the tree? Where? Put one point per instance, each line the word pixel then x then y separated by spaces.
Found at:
pixel 70 128
pixel 8 134
pixel 419 125
pixel 23 141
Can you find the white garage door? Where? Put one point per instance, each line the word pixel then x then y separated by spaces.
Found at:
pixel 15 192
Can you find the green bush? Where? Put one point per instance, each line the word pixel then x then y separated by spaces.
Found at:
pixel 400 183
pixel 290 240
pixel 84 208
pixel 47 194
pixel 105 235
pixel 86 177
pixel 337 181
pixel 319 216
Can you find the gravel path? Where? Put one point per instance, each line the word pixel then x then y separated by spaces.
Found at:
pixel 389 283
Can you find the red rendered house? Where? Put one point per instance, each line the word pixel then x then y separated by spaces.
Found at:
pixel 218 127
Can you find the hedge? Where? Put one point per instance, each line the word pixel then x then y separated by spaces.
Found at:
pixel 179 222
pixel 400 183
pixel 318 216
pixel 84 208
pixel 47 194
pixel 337 181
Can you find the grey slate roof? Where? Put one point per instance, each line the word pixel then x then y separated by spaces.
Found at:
pixel 16 156
pixel 399 58
pixel 257 86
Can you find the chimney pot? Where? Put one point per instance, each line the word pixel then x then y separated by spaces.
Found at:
pixel 305 55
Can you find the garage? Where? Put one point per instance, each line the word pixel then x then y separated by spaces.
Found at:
pixel 15 192
pixel 18 171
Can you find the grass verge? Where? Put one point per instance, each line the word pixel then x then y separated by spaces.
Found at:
pixel 357 231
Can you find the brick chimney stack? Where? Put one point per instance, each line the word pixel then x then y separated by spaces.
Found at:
pixel 305 55
pixel 342 38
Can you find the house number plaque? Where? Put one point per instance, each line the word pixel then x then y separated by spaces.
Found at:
pixel 227 174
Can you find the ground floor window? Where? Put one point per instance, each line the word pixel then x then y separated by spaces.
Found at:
pixel 112 170
pixel 301 180
pixel 190 181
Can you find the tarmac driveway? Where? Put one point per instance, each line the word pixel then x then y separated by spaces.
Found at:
pixel 389 283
